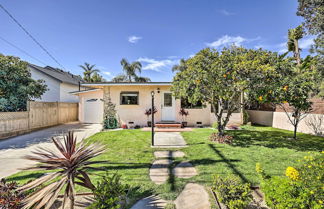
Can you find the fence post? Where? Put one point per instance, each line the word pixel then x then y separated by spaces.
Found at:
pixel 58 112
pixel 28 114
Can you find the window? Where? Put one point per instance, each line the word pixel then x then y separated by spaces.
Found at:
pixel 167 100
pixel 187 105
pixel 129 98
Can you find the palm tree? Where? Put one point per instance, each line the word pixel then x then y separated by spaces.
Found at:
pixel 294 35
pixel 88 71
pixel 119 78
pixel 141 79
pixel 96 77
pixel 131 68
pixel 180 67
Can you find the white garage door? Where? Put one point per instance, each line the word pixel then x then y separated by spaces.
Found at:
pixel 93 110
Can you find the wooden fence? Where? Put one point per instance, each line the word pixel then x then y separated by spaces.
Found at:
pixel 38 115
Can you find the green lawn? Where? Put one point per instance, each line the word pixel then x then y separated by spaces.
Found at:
pixel 129 153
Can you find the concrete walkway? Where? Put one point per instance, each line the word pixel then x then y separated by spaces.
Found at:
pixel 13 150
pixel 169 140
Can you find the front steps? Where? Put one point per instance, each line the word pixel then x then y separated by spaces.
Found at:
pixel 168 124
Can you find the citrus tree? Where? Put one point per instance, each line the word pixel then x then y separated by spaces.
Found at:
pixel 219 78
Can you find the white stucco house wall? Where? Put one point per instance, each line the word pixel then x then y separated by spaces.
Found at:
pixel 59 84
pixel 132 99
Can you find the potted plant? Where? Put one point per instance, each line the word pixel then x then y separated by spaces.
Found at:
pixel 184 113
pixel 148 112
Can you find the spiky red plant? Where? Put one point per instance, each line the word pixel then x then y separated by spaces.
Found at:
pixel 68 167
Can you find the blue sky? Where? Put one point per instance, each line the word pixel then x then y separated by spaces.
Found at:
pixel 156 32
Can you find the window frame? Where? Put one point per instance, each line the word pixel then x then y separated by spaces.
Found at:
pixel 128 92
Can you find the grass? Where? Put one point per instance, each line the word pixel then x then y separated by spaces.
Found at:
pixel 130 155
pixel 271 147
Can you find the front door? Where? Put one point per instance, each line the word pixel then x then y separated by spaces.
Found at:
pixel 167 107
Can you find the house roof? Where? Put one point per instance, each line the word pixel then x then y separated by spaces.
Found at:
pixel 58 74
pixel 83 91
pixel 127 84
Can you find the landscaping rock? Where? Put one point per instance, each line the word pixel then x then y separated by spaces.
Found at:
pixel 150 202
pixel 159 171
pixel 184 170
pixel 168 154
pixel 194 196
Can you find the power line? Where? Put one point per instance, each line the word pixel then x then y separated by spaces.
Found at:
pixel 23 51
pixel 34 39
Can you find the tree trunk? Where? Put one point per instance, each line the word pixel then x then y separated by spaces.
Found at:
pixel 220 126
pixel 295 131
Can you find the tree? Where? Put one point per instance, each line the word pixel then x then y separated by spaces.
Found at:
pixel 313 13
pixel 297 87
pixel 120 78
pixel 220 78
pixel 180 67
pixel 130 70
pixel 142 79
pixel 88 71
pixel 16 84
pixel 96 77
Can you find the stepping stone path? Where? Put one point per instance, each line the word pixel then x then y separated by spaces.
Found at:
pixel 150 202
pixel 194 196
pixel 184 170
pixel 159 171
pixel 168 154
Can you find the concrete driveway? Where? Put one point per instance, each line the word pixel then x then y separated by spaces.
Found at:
pixel 13 150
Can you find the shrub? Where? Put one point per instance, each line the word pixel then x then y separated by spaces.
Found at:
pixel 215 125
pixel 110 193
pixel 221 139
pixel 9 197
pixel 110 123
pixel 66 167
pixel 231 192
pixel 301 187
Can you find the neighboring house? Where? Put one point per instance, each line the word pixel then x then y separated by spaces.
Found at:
pixel 59 83
pixel 132 99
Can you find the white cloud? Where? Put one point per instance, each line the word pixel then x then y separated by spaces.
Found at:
pixel 258 46
pixel 226 13
pixel 306 43
pixel 156 65
pixel 134 39
pixel 227 40
pixel 107 74
pixel 282 47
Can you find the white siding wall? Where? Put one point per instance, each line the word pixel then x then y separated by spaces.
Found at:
pixel 65 96
pixel 53 86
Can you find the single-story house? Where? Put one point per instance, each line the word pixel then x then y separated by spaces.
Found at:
pixel 132 99
pixel 59 83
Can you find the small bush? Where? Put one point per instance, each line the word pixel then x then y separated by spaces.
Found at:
pixel 301 187
pixel 9 197
pixel 110 193
pixel 231 192
pixel 215 125
pixel 221 139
